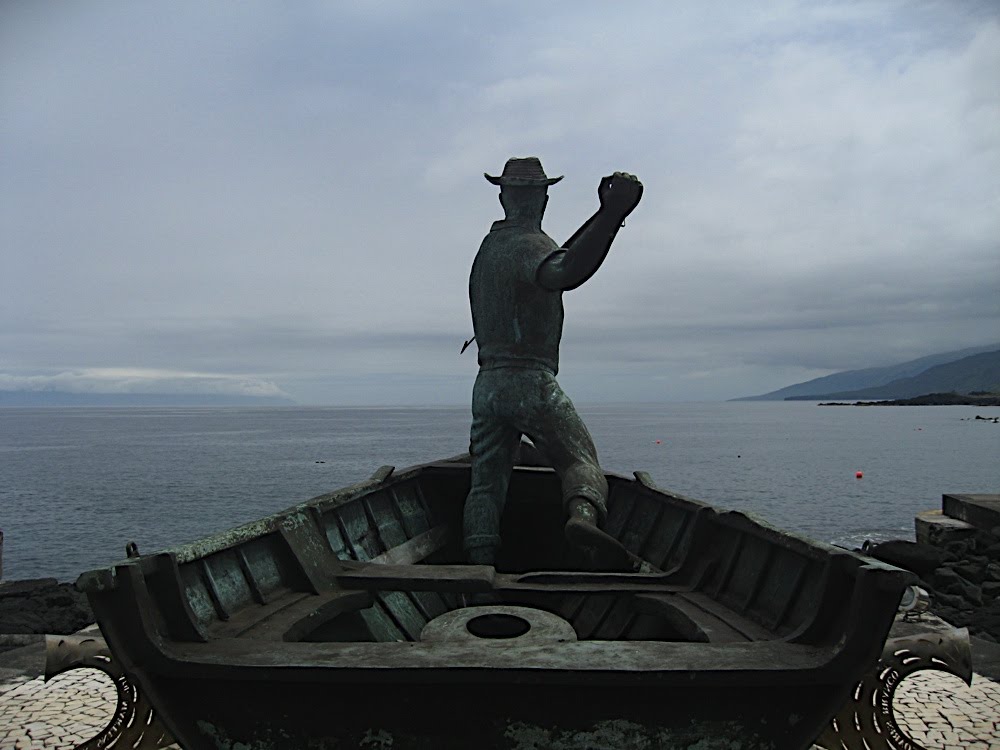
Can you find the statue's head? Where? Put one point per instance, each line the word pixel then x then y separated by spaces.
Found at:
pixel 523 187
pixel 523 172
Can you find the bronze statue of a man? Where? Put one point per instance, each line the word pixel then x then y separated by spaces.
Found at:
pixel 515 291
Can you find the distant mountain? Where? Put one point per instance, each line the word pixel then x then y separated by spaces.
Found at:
pixel 849 381
pixel 980 372
pixel 66 398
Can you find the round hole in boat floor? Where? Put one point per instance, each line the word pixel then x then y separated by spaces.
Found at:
pixel 498 626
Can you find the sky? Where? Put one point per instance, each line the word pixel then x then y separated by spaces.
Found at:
pixel 286 198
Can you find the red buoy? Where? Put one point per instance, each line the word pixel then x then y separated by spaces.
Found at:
pixel 858 474
pixel 658 442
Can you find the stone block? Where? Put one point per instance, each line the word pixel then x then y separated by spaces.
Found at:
pixel 934 527
pixel 982 511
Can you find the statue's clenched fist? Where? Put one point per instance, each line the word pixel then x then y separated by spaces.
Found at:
pixel 620 192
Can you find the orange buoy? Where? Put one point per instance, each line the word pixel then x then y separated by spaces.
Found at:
pixel 858 474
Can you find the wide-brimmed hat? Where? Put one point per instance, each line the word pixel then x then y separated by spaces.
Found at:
pixel 526 172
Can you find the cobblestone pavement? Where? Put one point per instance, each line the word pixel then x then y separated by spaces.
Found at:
pixel 64 712
pixel 68 710
pixel 938 710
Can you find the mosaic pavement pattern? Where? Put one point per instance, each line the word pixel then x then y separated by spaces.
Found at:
pixel 938 710
pixel 62 713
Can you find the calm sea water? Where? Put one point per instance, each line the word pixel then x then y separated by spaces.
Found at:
pixel 77 484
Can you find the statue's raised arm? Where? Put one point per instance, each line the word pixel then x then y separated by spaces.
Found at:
pixel 583 253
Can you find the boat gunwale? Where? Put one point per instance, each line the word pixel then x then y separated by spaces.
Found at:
pixel 703 513
pixel 247 532
pixel 234 537
pixel 796 541
pixel 507 660
pixel 220 541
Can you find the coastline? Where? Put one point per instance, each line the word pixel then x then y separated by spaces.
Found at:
pixel 929 399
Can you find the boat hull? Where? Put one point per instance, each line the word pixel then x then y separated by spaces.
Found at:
pixel 515 716
pixel 321 626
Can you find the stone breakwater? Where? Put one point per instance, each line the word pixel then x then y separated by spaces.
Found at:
pixel 957 556
pixel 42 605
pixel 967 587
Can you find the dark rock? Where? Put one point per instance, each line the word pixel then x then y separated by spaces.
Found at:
pixel 981 542
pixel 949 600
pixel 946 577
pixel 27 621
pixel 991 589
pixel 919 558
pixel 993 551
pixel 970 571
pixel 992 572
pixel 27 587
pixel 958 549
pixel 43 606
pixel 947 580
pixel 973 594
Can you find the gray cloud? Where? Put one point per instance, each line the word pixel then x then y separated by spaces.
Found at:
pixel 294 195
pixel 116 380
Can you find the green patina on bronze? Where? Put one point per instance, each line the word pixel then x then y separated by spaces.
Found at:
pixel 515 292
pixel 322 622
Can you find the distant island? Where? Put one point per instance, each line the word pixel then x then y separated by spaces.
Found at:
pixel 978 398
pixel 960 373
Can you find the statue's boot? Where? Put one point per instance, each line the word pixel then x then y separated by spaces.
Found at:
pixel 602 550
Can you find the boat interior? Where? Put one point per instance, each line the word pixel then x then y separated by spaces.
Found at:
pixel 382 561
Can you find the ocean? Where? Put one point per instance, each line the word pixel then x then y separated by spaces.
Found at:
pixel 76 484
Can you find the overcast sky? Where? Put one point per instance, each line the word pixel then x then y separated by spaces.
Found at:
pixel 287 197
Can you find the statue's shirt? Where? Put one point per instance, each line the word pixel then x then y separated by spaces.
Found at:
pixel 517 322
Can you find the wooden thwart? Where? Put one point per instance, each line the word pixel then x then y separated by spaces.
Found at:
pixel 483 578
pixel 416 549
